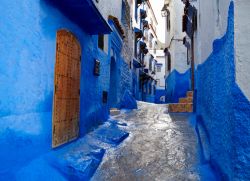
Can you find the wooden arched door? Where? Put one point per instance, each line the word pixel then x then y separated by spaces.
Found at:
pixel 66 106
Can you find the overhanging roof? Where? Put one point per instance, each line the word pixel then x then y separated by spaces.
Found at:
pixel 84 13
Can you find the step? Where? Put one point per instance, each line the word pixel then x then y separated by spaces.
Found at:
pixel 190 93
pixel 180 107
pixel 114 111
pixel 186 100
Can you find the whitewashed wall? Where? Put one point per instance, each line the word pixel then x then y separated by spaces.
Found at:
pixel 242 45
pixel 160 57
pixel 177 49
pixel 180 51
pixel 212 24
pixel 107 7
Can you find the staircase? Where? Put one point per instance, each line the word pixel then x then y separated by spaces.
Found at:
pixel 114 111
pixel 184 105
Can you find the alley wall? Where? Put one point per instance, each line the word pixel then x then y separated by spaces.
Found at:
pixel 27 54
pixel 222 99
pixel 242 44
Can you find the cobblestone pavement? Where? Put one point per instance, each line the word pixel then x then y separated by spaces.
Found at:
pixel 160 147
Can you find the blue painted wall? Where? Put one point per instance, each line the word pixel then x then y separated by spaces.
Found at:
pixel 158 94
pixel 150 98
pixel 123 80
pixel 224 109
pixel 177 85
pixel 126 79
pixel 27 58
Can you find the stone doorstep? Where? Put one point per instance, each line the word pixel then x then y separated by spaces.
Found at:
pixel 114 111
pixel 186 100
pixel 190 94
pixel 180 107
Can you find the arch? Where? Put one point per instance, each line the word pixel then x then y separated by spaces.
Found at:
pixel 113 87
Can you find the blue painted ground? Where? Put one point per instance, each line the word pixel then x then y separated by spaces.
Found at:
pixel 75 161
pixel 160 146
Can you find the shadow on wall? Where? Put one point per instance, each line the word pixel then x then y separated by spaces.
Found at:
pixel 177 85
pixel 224 109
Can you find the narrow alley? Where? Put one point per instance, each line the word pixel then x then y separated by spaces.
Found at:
pixel 124 90
pixel 160 146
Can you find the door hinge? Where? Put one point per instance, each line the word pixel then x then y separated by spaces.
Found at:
pixel 79 92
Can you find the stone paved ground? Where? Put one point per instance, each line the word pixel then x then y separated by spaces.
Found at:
pixel 160 147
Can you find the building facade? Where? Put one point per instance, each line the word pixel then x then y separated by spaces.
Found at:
pixel 144 63
pixel 160 89
pixel 216 44
pixel 177 57
pixel 64 64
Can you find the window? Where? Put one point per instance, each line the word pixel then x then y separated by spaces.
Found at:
pixel 157 82
pixel 149 88
pixel 101 42
pixel 145 34
pixel 150 64
pixel 150 40
pixel 169 62
pixel 126 13
pixel 158 68
pixel 168 22
pixel 135 47
pixel 136 10
pixel 104 96
pixel 155 44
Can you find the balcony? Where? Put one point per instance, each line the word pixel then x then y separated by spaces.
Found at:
pixel 137 64
pixel 145 51
pixel 145 23
pixel 139 2
pixel 142 45
pixel 143 13
pixel 138 33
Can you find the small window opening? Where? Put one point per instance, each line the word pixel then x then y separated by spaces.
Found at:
pixel 101 42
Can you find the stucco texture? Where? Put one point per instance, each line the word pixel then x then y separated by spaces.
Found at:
pixel 27 59
pixel 224 109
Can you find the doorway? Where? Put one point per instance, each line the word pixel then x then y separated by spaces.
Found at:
pixel 66 103
pixel 113 83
